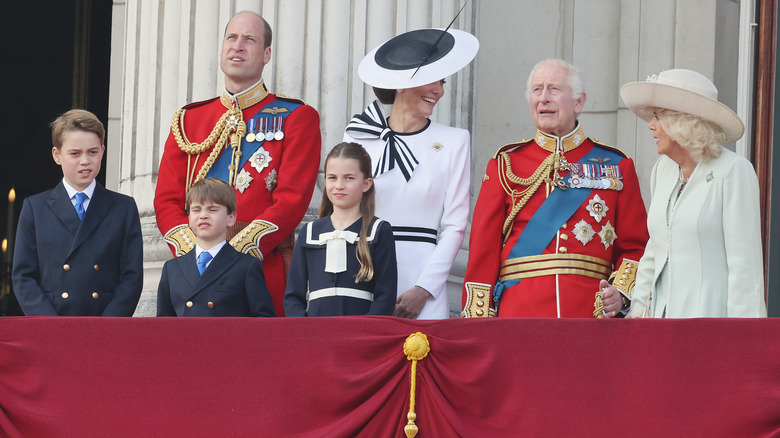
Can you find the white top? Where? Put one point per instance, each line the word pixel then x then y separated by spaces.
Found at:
pixel 435 197
pixel 704 255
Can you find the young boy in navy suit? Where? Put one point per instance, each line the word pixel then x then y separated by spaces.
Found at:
pixel 214 279
pixel 79 250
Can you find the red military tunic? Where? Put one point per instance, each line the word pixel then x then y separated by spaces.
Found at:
pixel 606 229
pixel 273 187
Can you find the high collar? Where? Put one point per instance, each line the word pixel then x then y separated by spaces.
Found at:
pixel 564 144
pixel 246 98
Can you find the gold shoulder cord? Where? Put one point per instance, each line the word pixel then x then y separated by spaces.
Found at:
pixel 231 124
pixel 532 183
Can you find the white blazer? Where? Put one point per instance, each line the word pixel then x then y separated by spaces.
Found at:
pixel 710 243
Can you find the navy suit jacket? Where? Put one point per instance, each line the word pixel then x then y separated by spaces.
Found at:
pixel 232 285
pixel 63 266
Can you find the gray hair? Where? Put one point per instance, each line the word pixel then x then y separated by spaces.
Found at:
pixel 575 77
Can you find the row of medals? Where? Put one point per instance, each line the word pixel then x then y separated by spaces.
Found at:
pixel 266 131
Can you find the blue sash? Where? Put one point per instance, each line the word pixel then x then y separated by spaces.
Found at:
pixel 220 167
pixel 548 219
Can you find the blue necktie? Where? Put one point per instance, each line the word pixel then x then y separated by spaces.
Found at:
pixel 80 198
pixel 203 260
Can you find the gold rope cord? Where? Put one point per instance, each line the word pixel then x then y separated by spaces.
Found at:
pixel 532 184
pixel 230 124
pixel 598 305
pixel 416 348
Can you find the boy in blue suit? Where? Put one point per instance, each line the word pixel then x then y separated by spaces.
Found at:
pixel 214 279
pixel 79 250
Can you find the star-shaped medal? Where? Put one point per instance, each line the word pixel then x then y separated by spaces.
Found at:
pixel 260 159
pixel 242 180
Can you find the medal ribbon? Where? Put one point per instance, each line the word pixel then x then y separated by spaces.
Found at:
pixel 545 223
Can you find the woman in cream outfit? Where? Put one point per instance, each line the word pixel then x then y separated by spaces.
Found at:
pixel 704 256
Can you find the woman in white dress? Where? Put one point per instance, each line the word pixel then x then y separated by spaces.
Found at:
pixel 704 256
pixel 421 168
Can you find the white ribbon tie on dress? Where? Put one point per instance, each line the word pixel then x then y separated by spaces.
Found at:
pixel 336 249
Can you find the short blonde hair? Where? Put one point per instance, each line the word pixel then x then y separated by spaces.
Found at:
pixel 212 190
pixel 75 120
pixel 701 138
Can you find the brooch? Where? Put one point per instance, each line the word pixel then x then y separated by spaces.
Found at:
pixel 608 235
pixel 260 159
pixel 583 232
pixel 242 180
pixel 597 208
pixel 270 181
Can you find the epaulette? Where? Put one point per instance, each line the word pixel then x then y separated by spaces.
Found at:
pixel 510 146
pixel 608 147
pixel 290 99
pixel 200 103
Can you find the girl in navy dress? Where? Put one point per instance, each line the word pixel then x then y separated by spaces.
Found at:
pixel 344 262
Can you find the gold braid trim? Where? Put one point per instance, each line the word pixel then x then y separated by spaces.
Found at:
pixel 532 183
pixel 248 239
pixel 624 278
pixel 231 125
pixel 182 238
pixel 477 301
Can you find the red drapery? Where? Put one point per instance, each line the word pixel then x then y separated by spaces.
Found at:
pixel 344 377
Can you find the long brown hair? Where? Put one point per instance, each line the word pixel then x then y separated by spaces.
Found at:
pixel 356 152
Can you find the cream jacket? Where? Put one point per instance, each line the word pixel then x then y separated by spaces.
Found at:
pixel 710 244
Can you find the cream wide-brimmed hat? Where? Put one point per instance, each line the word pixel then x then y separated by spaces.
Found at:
pixel 435 52
pixel 685 91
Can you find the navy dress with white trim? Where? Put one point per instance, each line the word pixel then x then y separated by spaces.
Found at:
pixel 322 274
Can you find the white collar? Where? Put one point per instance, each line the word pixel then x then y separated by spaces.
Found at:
pixel 213 251
pixel 89 191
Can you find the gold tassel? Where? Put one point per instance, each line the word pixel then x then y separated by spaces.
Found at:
pixel 416 348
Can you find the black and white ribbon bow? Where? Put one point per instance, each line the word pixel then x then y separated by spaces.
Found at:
pixel 373 124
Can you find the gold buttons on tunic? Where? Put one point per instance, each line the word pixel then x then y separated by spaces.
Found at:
pixel 210 304
pixel 562 250
pixel 95 295
pixel 480 312
pixel 564 237
pixel 189 303
pixel 563 226
pixel 97 268
pixel 66 267
pixel 480 294
pixel 65 295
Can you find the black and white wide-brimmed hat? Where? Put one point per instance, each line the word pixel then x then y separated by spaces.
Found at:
pixel 685 91
pixel 436 52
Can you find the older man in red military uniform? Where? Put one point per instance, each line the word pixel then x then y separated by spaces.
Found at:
pixel 560 224
pixel 267 147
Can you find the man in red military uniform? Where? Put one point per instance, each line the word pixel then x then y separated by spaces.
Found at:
pixel 266 147
pixel 556 217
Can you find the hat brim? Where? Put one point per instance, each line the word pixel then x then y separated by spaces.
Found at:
pixel 463 50
pixel 643 98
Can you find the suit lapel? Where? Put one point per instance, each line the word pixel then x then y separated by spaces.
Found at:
pixel 97 210
pixel 223 261
pixel 60 204
pixel 188 275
